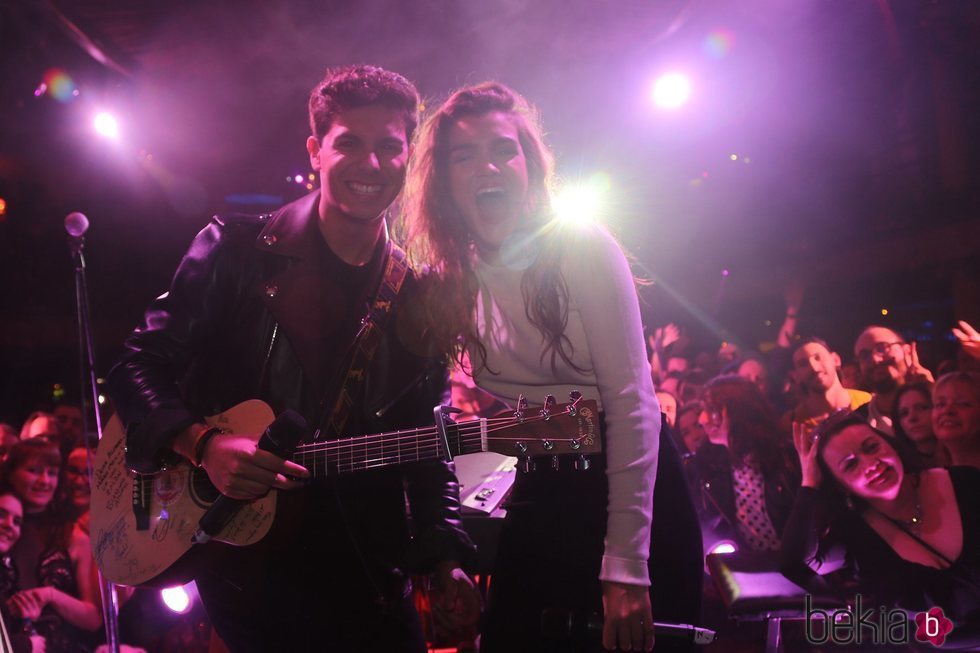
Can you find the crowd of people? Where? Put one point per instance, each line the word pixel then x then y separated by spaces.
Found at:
pixel 313 308
pixel 884 471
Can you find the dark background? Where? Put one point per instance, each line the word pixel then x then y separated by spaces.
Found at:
pixel 858 117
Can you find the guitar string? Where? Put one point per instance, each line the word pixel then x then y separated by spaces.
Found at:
pixel 379 442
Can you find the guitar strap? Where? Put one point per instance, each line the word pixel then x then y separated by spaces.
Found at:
pixel 367 340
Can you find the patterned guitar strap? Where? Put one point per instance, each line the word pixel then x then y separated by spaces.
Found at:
pixel 368 338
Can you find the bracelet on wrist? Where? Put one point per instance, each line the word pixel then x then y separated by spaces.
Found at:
pixel 202 440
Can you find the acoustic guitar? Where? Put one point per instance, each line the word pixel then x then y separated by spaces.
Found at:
pixel 142 525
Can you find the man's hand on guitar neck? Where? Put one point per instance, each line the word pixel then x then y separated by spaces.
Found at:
pixel 237 467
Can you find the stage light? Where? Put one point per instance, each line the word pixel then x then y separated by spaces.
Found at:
pixel 733 157
pixel 177 599
pixel 724 272
pixel 671 91
pixel 106 125
pixel 298 179
pixel 58 84
pixel 723 546
pixel 3 207
pixel 884 311
pixel 582 203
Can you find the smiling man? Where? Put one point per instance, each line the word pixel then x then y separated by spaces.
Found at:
pixel 276 307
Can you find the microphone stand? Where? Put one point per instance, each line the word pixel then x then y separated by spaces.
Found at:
pixel 89 392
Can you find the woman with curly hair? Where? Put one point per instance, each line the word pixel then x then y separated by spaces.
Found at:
pixel 745 471
pixel 542 308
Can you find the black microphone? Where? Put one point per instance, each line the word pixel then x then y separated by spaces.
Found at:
pixel 280 438
pixel 566 625
pixel 76 224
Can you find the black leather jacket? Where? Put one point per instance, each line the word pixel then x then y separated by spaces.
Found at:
pixel 709 473
pixel 241 317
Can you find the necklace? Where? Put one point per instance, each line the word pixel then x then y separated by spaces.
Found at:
pixel 915 522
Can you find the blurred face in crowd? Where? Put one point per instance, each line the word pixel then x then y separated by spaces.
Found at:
pixel 815 367
pixel 668 406
pixel 864 463
pixel 69 422
pixel 883 358
pixel 714 420
pixel 915 415
pixel 755 372
pixel 35 482
pixel 690 429
pixel 76 475
pixel 956 412
pixel 676 365
pixel 11 518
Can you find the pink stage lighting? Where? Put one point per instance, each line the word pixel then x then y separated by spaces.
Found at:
pixel 671 91
pixel 176 599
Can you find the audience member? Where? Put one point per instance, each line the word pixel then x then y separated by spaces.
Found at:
pixel 52 559
pixel 745 472
pixel 969 339
pixel 887 362
pixel 912 422
pixel 910 537
pixel 70 424
pixel 40 424
pixel 821 393
pixel 668 406
pixel 956 416
pixel 690 431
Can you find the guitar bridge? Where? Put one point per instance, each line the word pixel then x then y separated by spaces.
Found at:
pixel 142 487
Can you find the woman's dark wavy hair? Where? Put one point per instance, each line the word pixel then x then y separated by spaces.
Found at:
pixel 439 240
pixel 57 515
pixel 838 515
pixel 753 426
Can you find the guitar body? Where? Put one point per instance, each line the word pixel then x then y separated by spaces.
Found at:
pixel 159 551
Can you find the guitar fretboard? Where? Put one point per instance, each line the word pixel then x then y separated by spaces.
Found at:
pixel 394 448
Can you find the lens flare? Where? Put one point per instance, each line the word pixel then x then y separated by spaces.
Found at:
pixel 582 203
pixel 719 43
pixel 58 84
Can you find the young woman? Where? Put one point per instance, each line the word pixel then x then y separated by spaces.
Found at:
pixel 912 423
pixel 912 538
pixel 52 558
pixel 541 308
pixel 745 474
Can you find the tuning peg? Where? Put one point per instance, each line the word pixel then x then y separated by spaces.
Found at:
pixel 521 448
pixel 527 464
pixel 582 463
pixel 576 397
pixel 549 403
pixel 521 407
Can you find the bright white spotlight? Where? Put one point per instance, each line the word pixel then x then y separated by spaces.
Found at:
pixel 577 204
pixel 177 599
pixel 106 125
pixel 671 91
pixel 582 203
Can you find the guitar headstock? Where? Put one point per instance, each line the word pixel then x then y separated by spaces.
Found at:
pixel 554 430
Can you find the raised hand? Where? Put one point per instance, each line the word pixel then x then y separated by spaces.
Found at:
pixel 916 371
pixel 806 449
pixel 969 339
pixel 627 617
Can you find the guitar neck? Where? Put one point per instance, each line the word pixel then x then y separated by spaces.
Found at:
pixel 331 457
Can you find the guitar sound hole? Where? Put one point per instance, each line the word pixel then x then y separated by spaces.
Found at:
pixel 202 490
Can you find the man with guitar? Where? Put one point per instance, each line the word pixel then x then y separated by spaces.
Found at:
pixel 307 308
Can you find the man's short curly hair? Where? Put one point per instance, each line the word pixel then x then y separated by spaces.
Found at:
pixel 352 87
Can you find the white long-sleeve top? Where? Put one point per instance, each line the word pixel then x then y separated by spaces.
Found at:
pixel 606 337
